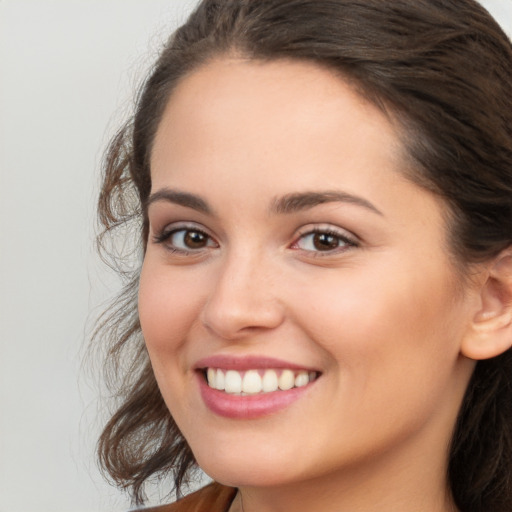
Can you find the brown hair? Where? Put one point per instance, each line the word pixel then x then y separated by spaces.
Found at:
pixel 443 68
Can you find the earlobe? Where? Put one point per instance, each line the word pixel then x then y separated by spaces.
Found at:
pixel 490 331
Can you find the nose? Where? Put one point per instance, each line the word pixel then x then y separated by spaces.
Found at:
pixel 243 299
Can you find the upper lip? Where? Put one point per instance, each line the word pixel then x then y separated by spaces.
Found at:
pixel 244 363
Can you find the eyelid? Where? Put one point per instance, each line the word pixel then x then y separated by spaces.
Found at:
pixel 161 236
pixel 349 238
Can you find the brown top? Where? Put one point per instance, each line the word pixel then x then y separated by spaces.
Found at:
pixel 212 498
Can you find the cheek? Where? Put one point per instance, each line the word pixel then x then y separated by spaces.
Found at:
pixel 168 306
pixel 385 329
pixel 392 350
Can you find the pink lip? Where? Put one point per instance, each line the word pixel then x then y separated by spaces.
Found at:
pixel 246 363
pixel 248 407
pixel 252 406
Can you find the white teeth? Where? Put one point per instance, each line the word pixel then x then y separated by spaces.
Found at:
pixel 220 383
pixel 233 382
pixel 301 379
pixel 286 380
pixel 211 374
pixel 270 381
pixel 252 382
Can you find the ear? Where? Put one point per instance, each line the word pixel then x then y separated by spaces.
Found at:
pixel 490 332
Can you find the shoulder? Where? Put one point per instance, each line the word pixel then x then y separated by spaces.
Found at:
pixel 212 498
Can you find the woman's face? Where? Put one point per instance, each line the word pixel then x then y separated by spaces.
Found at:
pixel 286 248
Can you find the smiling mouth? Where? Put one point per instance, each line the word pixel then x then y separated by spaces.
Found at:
pixel 257 381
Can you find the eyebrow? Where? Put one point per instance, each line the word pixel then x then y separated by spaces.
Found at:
pixel 181 198
pixel 291 203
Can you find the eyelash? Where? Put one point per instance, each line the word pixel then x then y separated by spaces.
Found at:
pixel 346 242
pixel 166 234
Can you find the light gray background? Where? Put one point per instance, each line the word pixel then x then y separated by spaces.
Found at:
pixel 68 70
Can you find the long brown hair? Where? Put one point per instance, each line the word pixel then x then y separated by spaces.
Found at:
pixel 443 68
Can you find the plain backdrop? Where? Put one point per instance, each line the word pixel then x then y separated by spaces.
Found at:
pixel 68 72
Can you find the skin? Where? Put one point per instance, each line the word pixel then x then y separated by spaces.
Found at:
pixel 383 318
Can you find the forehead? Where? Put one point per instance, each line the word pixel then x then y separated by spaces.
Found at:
pixel 269 127
pixel 264 109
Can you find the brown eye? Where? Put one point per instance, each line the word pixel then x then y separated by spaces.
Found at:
pixel 325 241
pixel 195 239
pixel 185 240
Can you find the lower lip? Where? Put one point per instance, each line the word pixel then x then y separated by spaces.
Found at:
pixel 248 406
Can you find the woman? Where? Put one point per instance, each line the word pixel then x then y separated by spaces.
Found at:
pixel 323 316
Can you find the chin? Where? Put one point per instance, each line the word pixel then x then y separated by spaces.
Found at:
pixel 245 471
pixel 248 477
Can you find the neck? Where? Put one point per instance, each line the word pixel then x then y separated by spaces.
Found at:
pixel 362 497
pixel 384 486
